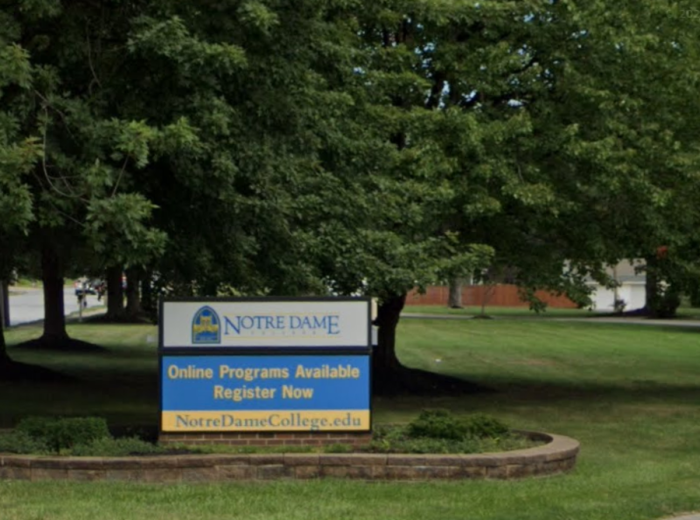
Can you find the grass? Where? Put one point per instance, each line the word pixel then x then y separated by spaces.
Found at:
pixel 684 312
pixel 120 383
pixel 26 283
pixel 629 393
pixel 499 311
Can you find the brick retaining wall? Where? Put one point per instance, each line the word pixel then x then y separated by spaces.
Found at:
pixel 557 456
pixel 267 439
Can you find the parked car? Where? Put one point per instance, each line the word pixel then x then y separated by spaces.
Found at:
pixel 100 287
pixel 82 287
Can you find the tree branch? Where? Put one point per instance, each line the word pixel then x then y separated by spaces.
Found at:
pixel 95 79
pixel 45 169
pixel 121 174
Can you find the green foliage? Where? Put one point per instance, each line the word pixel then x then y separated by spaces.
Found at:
pixel 384 145
pixel 425 445
pixel 443 425
pixel 36 427
pixel 22 442
pixel 338 448
pixel 437 424
pixel 438 431
pixel 120 447
pixel 482 426
pixel 63 433
pixel 16 67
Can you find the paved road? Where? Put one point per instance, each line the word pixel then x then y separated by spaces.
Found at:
pixel 27 305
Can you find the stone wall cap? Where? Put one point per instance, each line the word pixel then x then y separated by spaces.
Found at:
pixel 558 455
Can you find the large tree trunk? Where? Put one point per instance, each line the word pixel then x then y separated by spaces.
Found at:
pixel 147 303
pixel 133 298
pixel 5 303
pixel 389 376
pixel 4 358
pixel 54 310
pixel 651 287
pixel 385 364
pixel 455 296
pixel 663 299
pixel 115 294
pixel 7 366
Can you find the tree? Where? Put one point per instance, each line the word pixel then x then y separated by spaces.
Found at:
pixel 18 156
pixel 82 188
pixel 537 130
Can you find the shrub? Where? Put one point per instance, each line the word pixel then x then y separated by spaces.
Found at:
pixel 396 439
pixel 21 442
pixel 437 424
pixel 482 426
pixel 36 427
pixel 122 447
pixel 64 433
pixel 74 431
pixel 338 448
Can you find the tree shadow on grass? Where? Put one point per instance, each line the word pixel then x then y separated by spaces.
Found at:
pixel 60 345
pixel 11 370
pixel 14 371
pixel 526 393
pixel 417 382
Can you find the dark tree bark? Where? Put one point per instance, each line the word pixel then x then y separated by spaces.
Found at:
pixel 4 358
pixel 662 302
pixel 5 303
pixel 389 376
pixel 651 286
pixel 54 310
pixel 115 294
pixel 147 303
pixel 455 296
pixel 133 297
pixel 385 363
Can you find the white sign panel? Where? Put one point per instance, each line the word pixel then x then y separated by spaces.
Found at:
pixel 295 323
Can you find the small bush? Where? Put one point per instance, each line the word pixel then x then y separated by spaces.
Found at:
pixel 122 447
pixel 437 424
pixel 338 448
pixel 64 433
pixel 21 442
pixel 74 431
pixel 36 427
pixel 442 446
pixel 397 439
pixel 481 426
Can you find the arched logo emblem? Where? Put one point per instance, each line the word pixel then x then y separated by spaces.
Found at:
pixel 206 327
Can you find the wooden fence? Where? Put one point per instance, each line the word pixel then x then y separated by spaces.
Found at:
pixel 502 295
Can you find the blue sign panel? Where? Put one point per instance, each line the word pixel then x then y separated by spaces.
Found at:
pixel 265 393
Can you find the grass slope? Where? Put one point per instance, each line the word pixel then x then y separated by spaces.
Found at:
pixel 630 394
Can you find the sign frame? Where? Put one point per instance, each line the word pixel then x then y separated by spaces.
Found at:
pixel 266 351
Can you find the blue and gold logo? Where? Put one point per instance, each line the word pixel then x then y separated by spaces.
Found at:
pixel 206 327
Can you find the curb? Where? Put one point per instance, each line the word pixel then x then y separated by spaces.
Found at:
pixel 558 456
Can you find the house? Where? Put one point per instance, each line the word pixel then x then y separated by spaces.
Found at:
pixel 630 292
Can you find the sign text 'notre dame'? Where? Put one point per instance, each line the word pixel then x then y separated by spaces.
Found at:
pixel 302 365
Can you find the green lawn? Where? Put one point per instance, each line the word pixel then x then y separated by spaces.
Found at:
pixel 630 394
pixel 685 311
pixel 473 310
